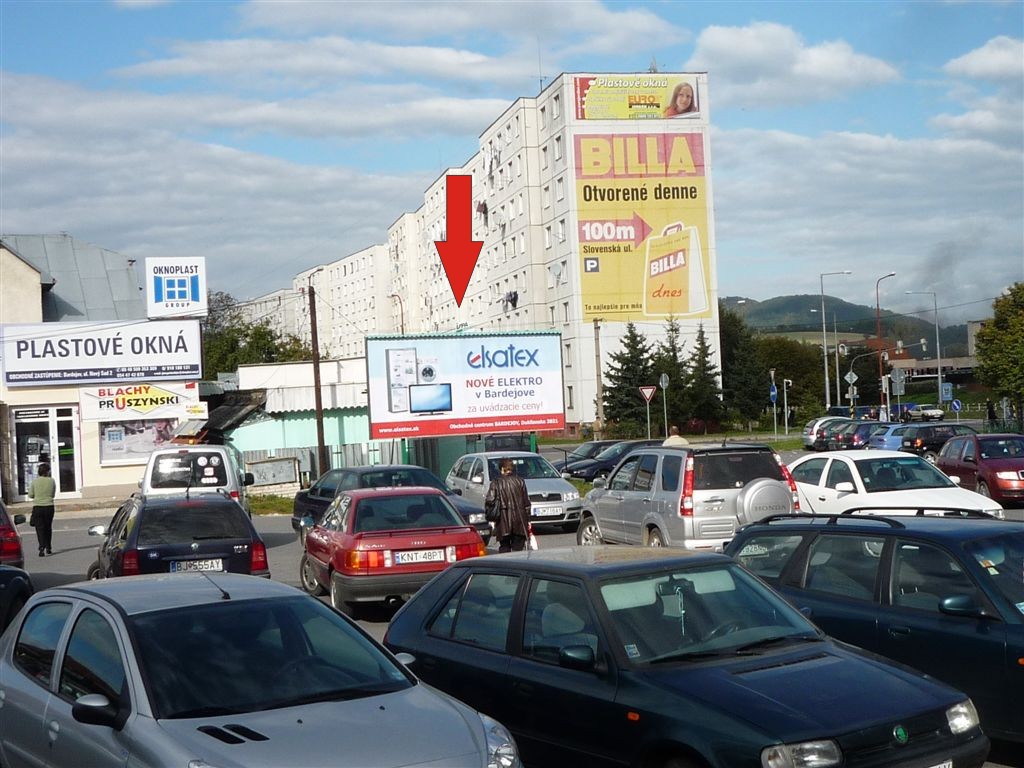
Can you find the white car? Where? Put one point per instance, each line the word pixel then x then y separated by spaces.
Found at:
pixel 833 482
pixel 927 412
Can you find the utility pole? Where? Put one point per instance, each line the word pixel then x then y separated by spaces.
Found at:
pixel 599 426
pixel 321 448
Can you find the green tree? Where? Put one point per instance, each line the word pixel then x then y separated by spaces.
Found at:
pixel 702 391
pixel 670 359
pixel 798 362
pixel 630 369
pixel 1000 345
pixel 230 341
pixel 742 380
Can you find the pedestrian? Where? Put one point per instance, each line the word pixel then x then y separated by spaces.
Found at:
pixel 507 505
pixel 990 409
pixel 42 491
pixel 674 438
pixel 791 417
pixel 905 415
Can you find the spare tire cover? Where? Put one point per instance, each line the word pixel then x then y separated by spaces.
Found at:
pixel 762 498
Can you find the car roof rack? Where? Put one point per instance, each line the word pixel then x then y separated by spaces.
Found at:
pixel 931 510
pixel 798 517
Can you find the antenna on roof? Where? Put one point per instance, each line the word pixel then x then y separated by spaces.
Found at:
pixel 540 71
pixel 654 66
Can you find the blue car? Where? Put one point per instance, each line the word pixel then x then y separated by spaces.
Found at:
pixel 890 439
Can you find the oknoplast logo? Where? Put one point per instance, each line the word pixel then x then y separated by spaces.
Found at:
pixel 505 357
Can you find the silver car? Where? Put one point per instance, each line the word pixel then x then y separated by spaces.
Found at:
pixel 554 501
pixel 692 497
pixel 225 670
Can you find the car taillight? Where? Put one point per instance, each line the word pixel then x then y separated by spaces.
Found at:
pixel 235 495
pixel 258 557
pixel 919 443
pixel 361 559
pixel 10 546
pixel 464 551
pixel 788 477
pixel 130 563
pixel 686 503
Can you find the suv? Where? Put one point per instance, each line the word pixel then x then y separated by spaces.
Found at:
pixel 694 496
pixel 197 469
pixel 941 594
pixel 927 439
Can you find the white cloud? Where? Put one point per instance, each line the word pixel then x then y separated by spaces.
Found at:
pixel 767 64
pixel 1001 58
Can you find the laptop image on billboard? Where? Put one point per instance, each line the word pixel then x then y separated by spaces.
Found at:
pixel 430 398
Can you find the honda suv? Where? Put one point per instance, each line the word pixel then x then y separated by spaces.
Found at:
pixel 693 497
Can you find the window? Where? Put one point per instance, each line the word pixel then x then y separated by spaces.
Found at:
pixel 93 661
pixel 480 613
pixel 543 157
pixel 568 397
pixel 844 565
pixel 556 107
pixel 670 467
pixel 543 118
pixel 767 555
pixel 567 358
pixel 623 478
pixel 557 616
pixel 462 470
pixel 558 147
pixel 547 237
pixel 559 189
pixel 839 472
pixel 37 642
pixel 645 473
pixel 563 276
pixel 565 310
pixel 551 310
pixel 923 575
pixel 952 449
pixel 546 196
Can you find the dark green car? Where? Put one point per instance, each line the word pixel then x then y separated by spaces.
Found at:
pixel 665 658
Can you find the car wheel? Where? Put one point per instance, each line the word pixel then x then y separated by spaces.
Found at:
pixel 94 572
pixel 654 538
pixel 587 534
pixel 307 575
pixel 338 597
pixel 983 489
pixel 931 457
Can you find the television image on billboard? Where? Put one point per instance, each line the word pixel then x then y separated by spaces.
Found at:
pixel 430 398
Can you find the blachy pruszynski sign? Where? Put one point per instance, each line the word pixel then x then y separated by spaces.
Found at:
pixel 422 386
pixel 52 354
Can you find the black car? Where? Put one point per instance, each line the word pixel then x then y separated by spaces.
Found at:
pixel 313 501
pixel 942 595
pixel 179 533
pixel 668 658
pixel 927 439
pixel 603 463
pixel 15 590
pixel 587 450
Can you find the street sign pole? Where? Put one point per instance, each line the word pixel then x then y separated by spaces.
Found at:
pixel 663 381
pixel 648 393
pixel 773 393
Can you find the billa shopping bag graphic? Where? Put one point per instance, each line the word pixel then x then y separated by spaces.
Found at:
pixel 674 282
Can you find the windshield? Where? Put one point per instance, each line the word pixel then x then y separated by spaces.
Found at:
pixel 1002 562
pixel 693 613
pixel 900 474
pixel 613 452
pixel 401 476
pixel 189 469
pixel 584 451
pixel 1002 448
pixel 241 656
pixel 527 467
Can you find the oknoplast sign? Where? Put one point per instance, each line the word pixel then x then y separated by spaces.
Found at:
pixel 429 385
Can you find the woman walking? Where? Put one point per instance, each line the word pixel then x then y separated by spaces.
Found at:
pixel 508 504
pixel 41 492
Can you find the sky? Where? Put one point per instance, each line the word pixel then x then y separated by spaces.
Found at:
pixel 271 137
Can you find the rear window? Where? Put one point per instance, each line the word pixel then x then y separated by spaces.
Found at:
pixel 193 469
pixel 733 470
pixel 186 523
pixel 399 513
pixel 388 478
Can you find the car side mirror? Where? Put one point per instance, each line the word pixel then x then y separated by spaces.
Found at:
pixel 579 657
pixel 457 491
pixel 96 709
pixel 98 530
pixel 478 479
pixel 19 519
pixel 566 476
pixel 845 487
pixel 970 460
pixel 962 605
pixel 955 479
pixel 407 659
pixel 600 482
pixel 248 478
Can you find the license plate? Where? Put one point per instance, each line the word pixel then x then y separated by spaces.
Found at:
pixel 947 764
pixel 214 564
pixel 546 511
pixel 419 556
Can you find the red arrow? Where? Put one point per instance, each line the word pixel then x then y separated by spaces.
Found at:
pixel 635 229
pixel 460 251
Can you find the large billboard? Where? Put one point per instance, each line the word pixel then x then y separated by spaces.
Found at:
pixel 639 97
pixel 127 402
pixel 54 354
pixel 424 386
pixel 176 287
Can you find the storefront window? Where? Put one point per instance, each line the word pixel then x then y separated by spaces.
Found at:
pixel 131 442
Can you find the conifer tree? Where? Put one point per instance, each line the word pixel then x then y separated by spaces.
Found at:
pixel 702 391
pixel 669 358
pixel 630 369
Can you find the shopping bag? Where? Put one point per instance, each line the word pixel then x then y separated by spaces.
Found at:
pixel 531 541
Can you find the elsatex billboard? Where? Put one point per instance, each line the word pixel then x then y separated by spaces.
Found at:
pixel 424 386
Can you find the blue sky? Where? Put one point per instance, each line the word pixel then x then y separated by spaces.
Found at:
pixel 273 136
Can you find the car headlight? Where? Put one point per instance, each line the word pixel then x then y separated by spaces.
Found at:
pixel 570 496
pixel 997 513
pixel 501 747
pixel 962 717
pixel 477 517
pixel 1008 475
pixel 807 754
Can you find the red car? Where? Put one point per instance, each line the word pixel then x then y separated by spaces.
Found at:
pixel 992 465
pixel 383 544
pixel 11 551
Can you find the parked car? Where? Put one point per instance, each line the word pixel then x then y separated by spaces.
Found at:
pixel 854 435
pixel 692 497
pixel 11 550
pixel 603 463
pixel 554 501
pixel 668 658
pixel 15 589
pixel 383 544
pixel 224 670
pixel 926 412
pixel 992 465
pixel 197 469
pixel 832 483
pixel 827 430
pixel 313 501
pixel 941 595
pixel 585 450
pixel 927 439
pixel 810 431
pixel 888 439
pixel 175 534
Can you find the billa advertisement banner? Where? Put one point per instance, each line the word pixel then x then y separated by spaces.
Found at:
pixel 639 97
pixel 423 386
pixel 643 225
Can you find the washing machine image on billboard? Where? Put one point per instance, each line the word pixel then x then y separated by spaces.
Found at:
pixel 426 370
pixel 402 374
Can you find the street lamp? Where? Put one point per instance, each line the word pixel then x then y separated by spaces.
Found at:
pixel 938 349
pixel 401 311
pixel 882 401
pixel 824 337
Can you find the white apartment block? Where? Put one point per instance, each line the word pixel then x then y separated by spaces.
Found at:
pixel 547 231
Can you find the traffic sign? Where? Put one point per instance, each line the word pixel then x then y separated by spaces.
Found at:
pixel 663 381
pixel 773 393
pixel 899 375
pixel 957 406
pixel 947 391
pixel 648 392
pixel 851 378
